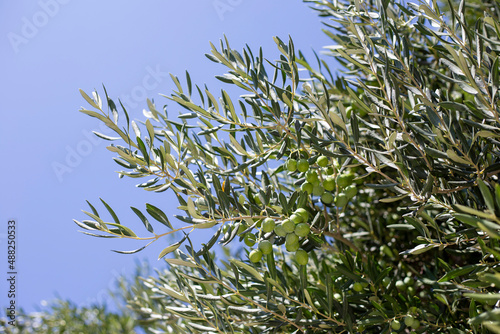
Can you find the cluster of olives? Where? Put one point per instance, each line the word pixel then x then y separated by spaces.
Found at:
pixel 292 229
pixel 409 321
pixel 325 183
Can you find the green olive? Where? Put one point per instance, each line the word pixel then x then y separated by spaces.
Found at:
pixel 255 255
pixel 303 165
pixel 268 225
pixel 302 229
pixel 329 183
pixel 327 198
pixel 302 212
pixel 266 247
pixel 249 239
pixel 288 226
pixel 280 230
pixel 322 161
pixel 307 187
pixel 301 257
pixel 291 165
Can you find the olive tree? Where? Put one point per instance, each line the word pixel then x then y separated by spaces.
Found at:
pixel 362 185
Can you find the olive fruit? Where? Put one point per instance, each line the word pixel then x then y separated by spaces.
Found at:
pixel 322 161
pixel 351 191
pixel 302 165
pixel 302 257
pixel 296 218
pixel 395 324
pixel 341 200
pixel 249 239
pixel 266 247
pixel 302 229
pixel 291 165
pixel 409 320
pixel 311 176
pixel 280 230
pixel 329 183
pixel 302 212
pixel 345 179
pixel 307 187
pixel 255 255
pixel 318 190
pixel 327 198
pixel 292 242
pixel 268 225
pixel 358 287
pixel 288 226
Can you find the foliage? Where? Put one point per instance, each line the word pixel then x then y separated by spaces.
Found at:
pixel 391 163
pixel 66 317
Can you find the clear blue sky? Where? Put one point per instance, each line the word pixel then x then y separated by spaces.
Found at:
pixel 50 49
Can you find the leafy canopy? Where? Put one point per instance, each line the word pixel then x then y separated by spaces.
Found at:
pixel 367 198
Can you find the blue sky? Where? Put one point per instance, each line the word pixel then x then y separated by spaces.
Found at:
pixel 51 161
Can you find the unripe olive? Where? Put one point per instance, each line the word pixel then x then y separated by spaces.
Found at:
pixel 291 165
pixel 358 287
pixel 307 187
pixel 268 225
pixel 255 255
pixel 249 239
pixel 351 191
pixel 311 176
pixel 241 199
pixel 302 229
pixel 409 320
pixel 416 324
pixel 288 226
pixel 386 280
pixel 318 190
pixel 329 183
pixel 302 212
pixel 341 200
pixel 395 324
pixel 327 198
pixel 322 161
pixel 292 242
pixel 257 199
pixel 280 230
pixel 301 257
pixel 345 179
pixel 303 165
pixel 266 247
pixel 330 171
pixel 296 218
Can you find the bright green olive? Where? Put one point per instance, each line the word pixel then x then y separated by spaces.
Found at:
pixel 280 230
pixel 322 161
pixel 255 255
pixel 296 218
pixel 351 191
pixel 345 179
pixel 396 325
pixel 311 176
pixel 291 241
pixel 330 171
pixel 302 212
pixel 318 190
pixel 327 198
pixel 307 187
pixel 249 239
pixel 266 247
pixel 301 257
pixel 241 199
pixel 303 165
pixel 268 225
pixel 341 200
pixel 288 226
pixel 358 287
pixel 302 229
pixel 329 183
pixel 400 285
pixel 291 165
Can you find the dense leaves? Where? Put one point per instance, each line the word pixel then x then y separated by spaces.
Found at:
pixel 390 164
